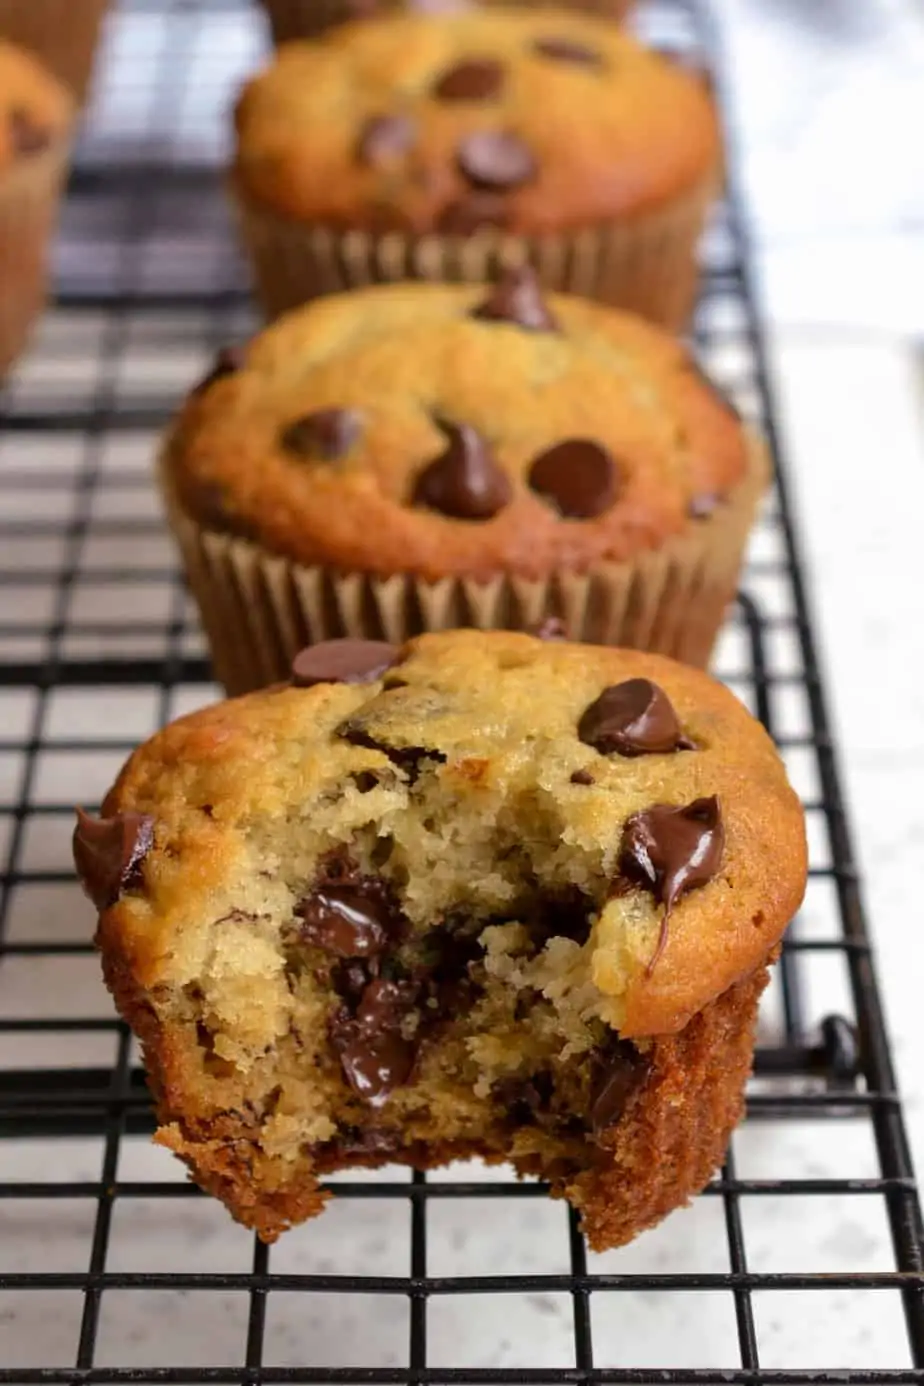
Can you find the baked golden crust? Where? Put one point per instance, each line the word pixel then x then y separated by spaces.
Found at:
pixel 463 803
pixel 405 357
pixel 35 109
pixel 646 132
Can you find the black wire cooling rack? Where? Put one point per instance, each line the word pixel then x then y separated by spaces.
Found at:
pixel 112 1268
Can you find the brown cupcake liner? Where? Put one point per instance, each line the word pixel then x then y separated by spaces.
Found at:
pixel 646 265
pixel 293 19
pixel 62 33
pixel 29 196
pixel 259 609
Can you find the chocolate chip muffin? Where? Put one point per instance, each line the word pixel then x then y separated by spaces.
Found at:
pixel 485 895
pixel 445 147
pixel 35 122
pixel 63 34
pixel 294 19
pixel 412 457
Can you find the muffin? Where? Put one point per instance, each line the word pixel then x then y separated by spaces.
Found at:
pixel 63 33
pixel 485 895
pixel 445 147
pixel 35 121
pixel 414 457
pixel 294 19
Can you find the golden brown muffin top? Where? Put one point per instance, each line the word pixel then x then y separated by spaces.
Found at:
pixel 457 431
pixel 34 107
pixel 537 121
pixel 470 776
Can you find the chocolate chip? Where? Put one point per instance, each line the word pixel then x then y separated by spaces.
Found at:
pixel 346 921
pixel 672 850
pixel 406 758
pixel 473 79
pixel 578 476
pixel 701 507
pixel 495 159
pixel 464 482
pixel 27 136
pixel 469 214
pixel 517 298
pixel 325 434
pixel 634 718
pixel 342 661
pixel 582 777
pixel 109 853
pixel 384 1004
pixel 524 1099
pixel 549 628
pixel 227 361
pixel 374 1065
pixel 566 50
pixel 619 1074
pixel 384 138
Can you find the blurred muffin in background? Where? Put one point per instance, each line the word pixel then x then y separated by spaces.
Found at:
pixel 413 457
pixel 446 147
pixel 293 19
pixel 63 33
pixel 36 115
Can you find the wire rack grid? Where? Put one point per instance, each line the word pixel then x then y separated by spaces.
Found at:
pixel 112 1269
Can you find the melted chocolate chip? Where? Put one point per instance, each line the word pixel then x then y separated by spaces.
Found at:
pixel 27 136
pixel 227 361
pixel 406 758
pixel 374 1065
pixel 671 850
pixel 582 777
pixel 384 1004
pixel 634 718
pixel 464 482
pixel 342 661
pixel 578 476
pixel 473 79
pixel 566 50
pixel 618 1074
pixel 346 921
pixel 470 213
pixel 325 434
pixel 550 628
pixel 517 298
pixel 495 159
pixel 109 853
pixel 384 138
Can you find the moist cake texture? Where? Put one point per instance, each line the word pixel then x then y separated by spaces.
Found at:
pixel 485 895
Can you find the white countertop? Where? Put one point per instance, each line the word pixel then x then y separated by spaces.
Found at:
pixel 839 221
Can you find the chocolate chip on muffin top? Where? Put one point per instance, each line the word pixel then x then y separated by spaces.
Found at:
pixel 459 432
pixel 459 121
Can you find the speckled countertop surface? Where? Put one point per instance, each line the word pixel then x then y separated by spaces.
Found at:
pixel 823 94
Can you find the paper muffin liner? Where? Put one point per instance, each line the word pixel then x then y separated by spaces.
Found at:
pixel 29 196
pixel 259 609
pixel 63 34
pixel 646 265
pixel 293 19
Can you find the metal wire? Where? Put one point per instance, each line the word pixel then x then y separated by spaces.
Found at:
pixel 91 601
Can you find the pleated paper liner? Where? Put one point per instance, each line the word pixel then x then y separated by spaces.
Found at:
pixel 29 197
pixel 259 609
pixel 646 265
pixel 62 33
pixel 293 19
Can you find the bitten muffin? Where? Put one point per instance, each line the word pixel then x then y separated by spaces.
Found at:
pixel 294 19
pixel 484 895
pixel 62 33
pixel 443 147
pixel 416 457
pixel 35 122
